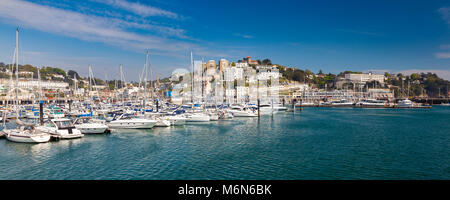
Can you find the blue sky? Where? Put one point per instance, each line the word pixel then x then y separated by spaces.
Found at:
pixel 394 36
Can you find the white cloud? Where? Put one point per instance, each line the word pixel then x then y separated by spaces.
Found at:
pixel 445 46
pixel 443 55
pixel 111 31
pixel 445 12
pixel 244 36
pixel 139 9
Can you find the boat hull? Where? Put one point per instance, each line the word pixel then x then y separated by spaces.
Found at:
pixel 92 129
pixel 125 124
pixel 26 138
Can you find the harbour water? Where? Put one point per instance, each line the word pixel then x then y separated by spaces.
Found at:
pixel 316 143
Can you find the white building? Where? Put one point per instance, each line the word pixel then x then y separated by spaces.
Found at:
pixel 363 78
pixel 27 84
pixel 241 65
pixel 233 73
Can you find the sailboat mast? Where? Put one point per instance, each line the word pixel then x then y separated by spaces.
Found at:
pixel 203 87
pixel 145 80
pixel 39 83
pixel 123 85
pixel 192 81
pixel 17 64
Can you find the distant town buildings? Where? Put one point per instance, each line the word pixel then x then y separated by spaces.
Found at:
pixel 364 78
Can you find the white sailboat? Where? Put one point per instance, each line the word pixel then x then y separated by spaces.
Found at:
pixel 27 133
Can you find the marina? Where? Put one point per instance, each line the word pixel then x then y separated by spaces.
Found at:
pixel 316 143
pixel 248 90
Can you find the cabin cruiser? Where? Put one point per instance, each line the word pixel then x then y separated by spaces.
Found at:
pixel 27 133
pixel 160 121
pixel 238 111
pixel 213 116
pixel 372 103
pixel 405 103
pixel 342 102
pixel 325 103
pixel 128 121
pixel 268 109
pixel 62 128
pixel 225 115
pixel 89 125
pixel 196 117
pixel 175 120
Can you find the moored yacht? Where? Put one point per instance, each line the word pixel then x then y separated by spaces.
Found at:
pixel 196 117
pixel 268 109
pixel 127 121
pixel 405 103
pixel 342 103
pixel 27 133
pixel 238 111
pixel 372 103
pixel 62 128
pixel 175 120
pixel 88 125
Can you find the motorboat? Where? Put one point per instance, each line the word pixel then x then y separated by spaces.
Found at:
pixel 238 111
pixel 175 120
pixel 342 103
pixel 127 121
pixel 89 125
pixel 268 109
pixel 62 128
pixel 160 122
pixel 405 103
pixel 372 103
pixel 197 117
pixel 225 115
pixel 213 116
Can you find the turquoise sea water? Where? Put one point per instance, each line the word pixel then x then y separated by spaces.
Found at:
pixel 317 143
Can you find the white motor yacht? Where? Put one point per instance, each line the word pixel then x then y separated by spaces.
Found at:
pixel 126 121
pixel 342 103
pixel 372 103
pixel 213 116
pixel 405 103
pixel 267 109
pixel 242 112
pixel 197 117
pixel 88 125
pixel 160 122
pixel 62 128
pixel 175 120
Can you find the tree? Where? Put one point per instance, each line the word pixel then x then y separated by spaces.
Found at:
pixel 72 73
pixel 267 62
pixel 320 72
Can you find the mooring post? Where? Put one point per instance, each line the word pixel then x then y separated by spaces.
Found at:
pixel 41 112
